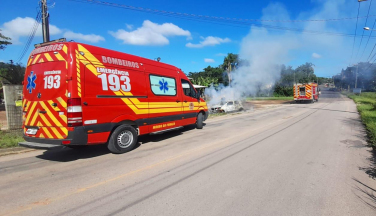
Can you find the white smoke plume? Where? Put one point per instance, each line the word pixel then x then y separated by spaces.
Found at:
pixel 264 55
pixel 266 49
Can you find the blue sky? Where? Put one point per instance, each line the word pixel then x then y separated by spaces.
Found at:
pixel 193 44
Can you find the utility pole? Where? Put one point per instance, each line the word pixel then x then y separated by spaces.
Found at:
pixel 356 76
pixel 294 78
pixel 45 23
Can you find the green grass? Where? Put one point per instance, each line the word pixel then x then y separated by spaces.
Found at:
pixel 212 115
pixel 366 104
pixel 269 98
pixel 10 139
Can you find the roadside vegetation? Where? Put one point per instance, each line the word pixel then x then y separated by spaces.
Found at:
pixel 10 138
pixel 213 115
pixel 366 104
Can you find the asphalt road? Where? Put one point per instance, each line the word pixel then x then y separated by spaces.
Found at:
pixel 295 159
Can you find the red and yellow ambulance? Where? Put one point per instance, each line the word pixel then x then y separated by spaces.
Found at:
pixel 76 94
pixel 306 92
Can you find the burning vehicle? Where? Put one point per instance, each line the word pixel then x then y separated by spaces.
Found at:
pixel 227 106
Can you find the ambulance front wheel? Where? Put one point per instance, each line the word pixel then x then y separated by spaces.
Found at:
pixel 200 121
pixel 123 139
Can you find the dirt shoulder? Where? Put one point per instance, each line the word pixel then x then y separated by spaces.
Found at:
pixel 14 150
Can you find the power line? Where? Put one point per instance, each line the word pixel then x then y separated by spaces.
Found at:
pixel 365 24
pixel 371 52
pixel 369 36
pixel 370 65
pixel 30 37
pixel 161 12
pixel 356 26
pixel 217 20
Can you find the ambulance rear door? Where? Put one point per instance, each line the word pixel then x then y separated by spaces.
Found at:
pixel 45 95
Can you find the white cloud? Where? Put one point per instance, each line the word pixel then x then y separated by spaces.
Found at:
pixel 221 54
pixel 129 26
pixel 21 27
pixel 208 41
pixel 150 34
pixel 315 55
pixel 207 60
pixel 81 37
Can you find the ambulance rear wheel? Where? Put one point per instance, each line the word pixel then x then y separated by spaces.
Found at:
pixel 200 121
pixel 123 139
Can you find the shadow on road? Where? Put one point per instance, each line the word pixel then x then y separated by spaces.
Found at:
pixel 368 196
pixel 65 154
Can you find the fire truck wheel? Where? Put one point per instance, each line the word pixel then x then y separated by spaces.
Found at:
pixel 123 139
pixel 200 121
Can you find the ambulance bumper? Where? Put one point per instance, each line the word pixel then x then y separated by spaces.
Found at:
pixel 76 137
pixel 37 145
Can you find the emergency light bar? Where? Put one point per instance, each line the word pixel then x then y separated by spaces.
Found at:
pixel 50 42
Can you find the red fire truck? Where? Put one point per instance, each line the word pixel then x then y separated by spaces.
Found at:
pixel 76 94
pixel 306 92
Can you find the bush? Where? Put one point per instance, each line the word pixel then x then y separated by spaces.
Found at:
pixel 283 91
pixel 10 138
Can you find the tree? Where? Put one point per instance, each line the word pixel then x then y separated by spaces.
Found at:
pixel 230 62
pixel 11 73
pixel 4 41
pixel 210 75
pixel 302 74
pixel 363 73
pixel 305 73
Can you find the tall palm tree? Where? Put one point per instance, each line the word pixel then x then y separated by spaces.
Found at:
pixel 230 62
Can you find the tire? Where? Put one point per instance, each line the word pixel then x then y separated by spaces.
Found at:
pixel 200 121
pixel 122 139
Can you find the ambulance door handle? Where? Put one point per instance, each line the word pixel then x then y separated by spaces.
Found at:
pixel 177 101
pixel 85 103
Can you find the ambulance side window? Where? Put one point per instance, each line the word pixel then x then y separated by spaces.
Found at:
pixel 164 86
pixel 188 89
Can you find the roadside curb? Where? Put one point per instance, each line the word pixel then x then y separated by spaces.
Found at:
pixel 14 150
